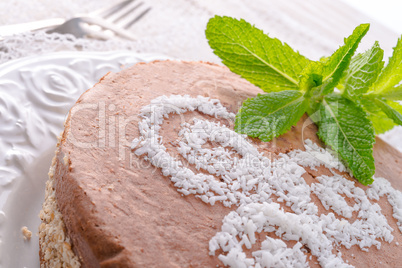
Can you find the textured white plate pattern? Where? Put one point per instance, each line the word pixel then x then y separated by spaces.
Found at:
pixel 35 95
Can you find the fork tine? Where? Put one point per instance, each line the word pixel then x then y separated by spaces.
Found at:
pixel 115 19
pixel 118 14
pixel 121 15
pixel 130 23
pixel 126 16
pixel 109 10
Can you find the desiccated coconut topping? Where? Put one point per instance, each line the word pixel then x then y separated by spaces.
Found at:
pixel 254 184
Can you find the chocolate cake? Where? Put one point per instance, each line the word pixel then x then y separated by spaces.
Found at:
pixel 149 173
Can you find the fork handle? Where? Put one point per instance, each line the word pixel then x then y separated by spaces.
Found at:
pixel 8 30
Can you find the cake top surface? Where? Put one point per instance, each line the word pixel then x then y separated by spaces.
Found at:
pixel 150 164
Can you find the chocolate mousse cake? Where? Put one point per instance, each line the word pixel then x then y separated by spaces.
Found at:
pixel 149 173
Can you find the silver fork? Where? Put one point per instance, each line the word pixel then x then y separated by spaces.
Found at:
pixel 104 23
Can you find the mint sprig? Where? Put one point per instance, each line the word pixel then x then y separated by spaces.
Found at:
pixel 364 103
pixel 345 127
pixel 389 110
pixel 378 118
pixel 270 115
pixel 388 84
pixel 363 71
pixel 339 61
pixel 247 51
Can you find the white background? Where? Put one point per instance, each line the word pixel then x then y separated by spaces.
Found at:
pixel 388 12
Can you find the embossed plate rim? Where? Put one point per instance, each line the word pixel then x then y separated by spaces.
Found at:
pixel 21 198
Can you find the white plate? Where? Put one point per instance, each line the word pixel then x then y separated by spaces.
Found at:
pixel 35 95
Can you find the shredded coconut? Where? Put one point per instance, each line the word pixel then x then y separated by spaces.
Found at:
pixel 251 180
pixel 381 187
pixel 315 156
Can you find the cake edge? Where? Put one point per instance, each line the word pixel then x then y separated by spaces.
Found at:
pixel 55 248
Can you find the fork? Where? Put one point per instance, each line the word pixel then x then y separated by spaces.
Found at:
pixel 101 24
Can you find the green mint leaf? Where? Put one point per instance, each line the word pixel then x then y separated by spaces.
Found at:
pixel 394 94
pixel 395 105
pixel 339 61
pixel 270 115
pixel 311 81
pixel 345 127
pixel 388 83
pixel 311 76
pixel 245 50
pixel 325 88
pixel 381 122
pixel 363 70
pixel 389 111
pixel 317 94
